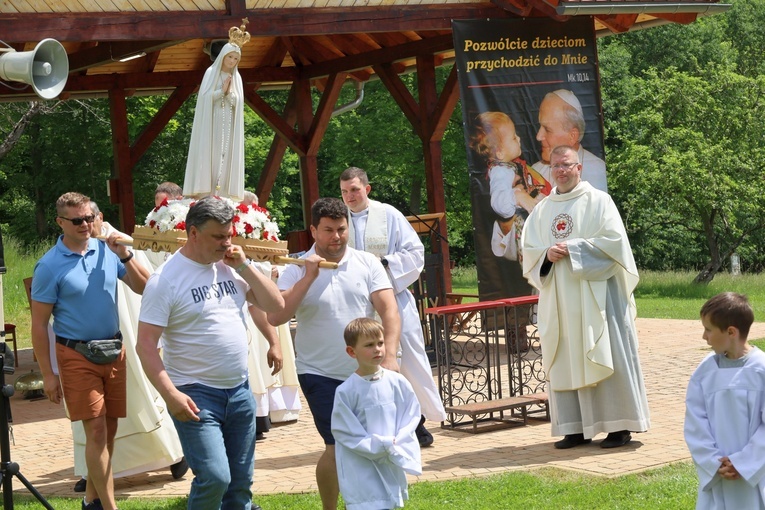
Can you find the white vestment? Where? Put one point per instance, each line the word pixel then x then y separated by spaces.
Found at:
pixel 406 258
pixel 586 313
pixel 593 169
pixel 373 423
pixel 277 395
pixel 216 149
pixel 146 438
pixel 725 417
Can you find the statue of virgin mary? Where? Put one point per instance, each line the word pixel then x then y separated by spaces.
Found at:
pixel 215 165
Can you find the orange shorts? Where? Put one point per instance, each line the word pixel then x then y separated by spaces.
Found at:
pixel 91 390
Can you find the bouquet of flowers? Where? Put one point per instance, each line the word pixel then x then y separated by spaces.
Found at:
pixel 169 215
pixel 250 221
pixel 254 222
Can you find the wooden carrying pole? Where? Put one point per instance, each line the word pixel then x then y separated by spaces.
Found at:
pixel 254 251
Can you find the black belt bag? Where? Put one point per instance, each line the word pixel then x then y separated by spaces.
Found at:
pixel 100 352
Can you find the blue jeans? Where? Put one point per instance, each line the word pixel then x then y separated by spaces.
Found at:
pixel 220 447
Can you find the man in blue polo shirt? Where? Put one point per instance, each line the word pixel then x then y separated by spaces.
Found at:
pixel 76 283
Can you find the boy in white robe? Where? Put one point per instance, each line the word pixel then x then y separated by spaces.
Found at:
pixel 725 409
pixel 374 418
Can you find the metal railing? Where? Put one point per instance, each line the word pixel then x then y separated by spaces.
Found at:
pixel 487 351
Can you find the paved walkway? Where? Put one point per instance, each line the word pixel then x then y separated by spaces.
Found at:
pixel 669 351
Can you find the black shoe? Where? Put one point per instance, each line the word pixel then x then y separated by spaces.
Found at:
pixel 93 505
pixel 616 439
pixel 255 506
pixel 259 436
pixel 179 469
pixel 424 437
pixel 570 441
pixel 81 485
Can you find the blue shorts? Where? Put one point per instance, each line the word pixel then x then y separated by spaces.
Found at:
pixel 319 392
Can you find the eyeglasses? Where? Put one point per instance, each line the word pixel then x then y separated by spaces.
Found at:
pixel 79 221
pixel 561 166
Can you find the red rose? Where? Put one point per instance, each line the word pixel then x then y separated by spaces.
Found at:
pixel 242 207
pixel 152 223
pixel 181 225
pixel 248 228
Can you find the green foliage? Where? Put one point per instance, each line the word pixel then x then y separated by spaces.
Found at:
pixel 684 121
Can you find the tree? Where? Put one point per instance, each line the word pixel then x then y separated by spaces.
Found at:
pixel 689 162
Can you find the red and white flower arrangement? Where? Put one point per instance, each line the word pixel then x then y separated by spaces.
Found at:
pixel 254 222
pixel 169 215
pixel 250 221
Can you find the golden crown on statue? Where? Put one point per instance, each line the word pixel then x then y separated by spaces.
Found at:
pixel 238 35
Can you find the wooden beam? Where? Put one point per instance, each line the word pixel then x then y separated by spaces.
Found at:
pixel 146 26
pixel 110 52
pixel 324 112
pixel 518 7
pixel 149 133
pixel 618 23
pixel 445 106
pixel 682 18
pixel 276 123
pixel 122 169
pixel 309 171
pixel 236 8
pixel 382 56
pixel 276 154
pixel 400 94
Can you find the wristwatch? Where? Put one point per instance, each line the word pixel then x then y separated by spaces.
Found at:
pixel 243 266
pixel 384 261
pixel 127 259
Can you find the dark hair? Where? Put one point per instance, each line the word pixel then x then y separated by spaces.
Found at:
pixel 332 208
pixel 171 189
pixel 208 208
pixel 729 309
pixel 362 327
pixel 71 199
pixel 353 172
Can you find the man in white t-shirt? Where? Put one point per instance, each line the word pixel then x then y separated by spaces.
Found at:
pixel 324 301
pixel 197 301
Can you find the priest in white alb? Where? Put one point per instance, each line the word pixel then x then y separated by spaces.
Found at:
pixel 576 252
pixel 382 230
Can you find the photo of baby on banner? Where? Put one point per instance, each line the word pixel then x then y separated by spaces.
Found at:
pixel 513 116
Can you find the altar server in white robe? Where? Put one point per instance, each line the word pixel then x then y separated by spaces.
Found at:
pixel 576 252
pixel 374 418
pixel 382 230
pixel 725 410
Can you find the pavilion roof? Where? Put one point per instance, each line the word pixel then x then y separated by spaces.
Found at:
pixel 290 38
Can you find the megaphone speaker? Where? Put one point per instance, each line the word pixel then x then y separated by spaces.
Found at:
pixel 45 68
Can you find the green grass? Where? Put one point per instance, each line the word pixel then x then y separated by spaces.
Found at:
pixel 661 295
pixel 672 487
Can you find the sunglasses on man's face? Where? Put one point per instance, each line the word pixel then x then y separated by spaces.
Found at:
pixel 79 221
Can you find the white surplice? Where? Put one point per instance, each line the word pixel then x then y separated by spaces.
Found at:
pixel 586 313
pixel 725 417
pixel 402 248
pixel 373 423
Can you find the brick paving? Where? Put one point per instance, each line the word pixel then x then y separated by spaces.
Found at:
pixel 285 461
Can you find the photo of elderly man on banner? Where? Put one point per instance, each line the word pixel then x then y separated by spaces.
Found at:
pixel 527 86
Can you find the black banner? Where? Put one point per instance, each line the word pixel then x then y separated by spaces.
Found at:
pixel 527 86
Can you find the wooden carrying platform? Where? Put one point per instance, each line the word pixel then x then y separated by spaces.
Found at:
pixel 511 411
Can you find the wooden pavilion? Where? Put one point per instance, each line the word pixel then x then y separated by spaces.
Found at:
pixel 119 48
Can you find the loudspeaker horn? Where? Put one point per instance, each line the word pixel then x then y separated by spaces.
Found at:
pixel 45 68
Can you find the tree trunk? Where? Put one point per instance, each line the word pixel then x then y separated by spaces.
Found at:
pixel 18 129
